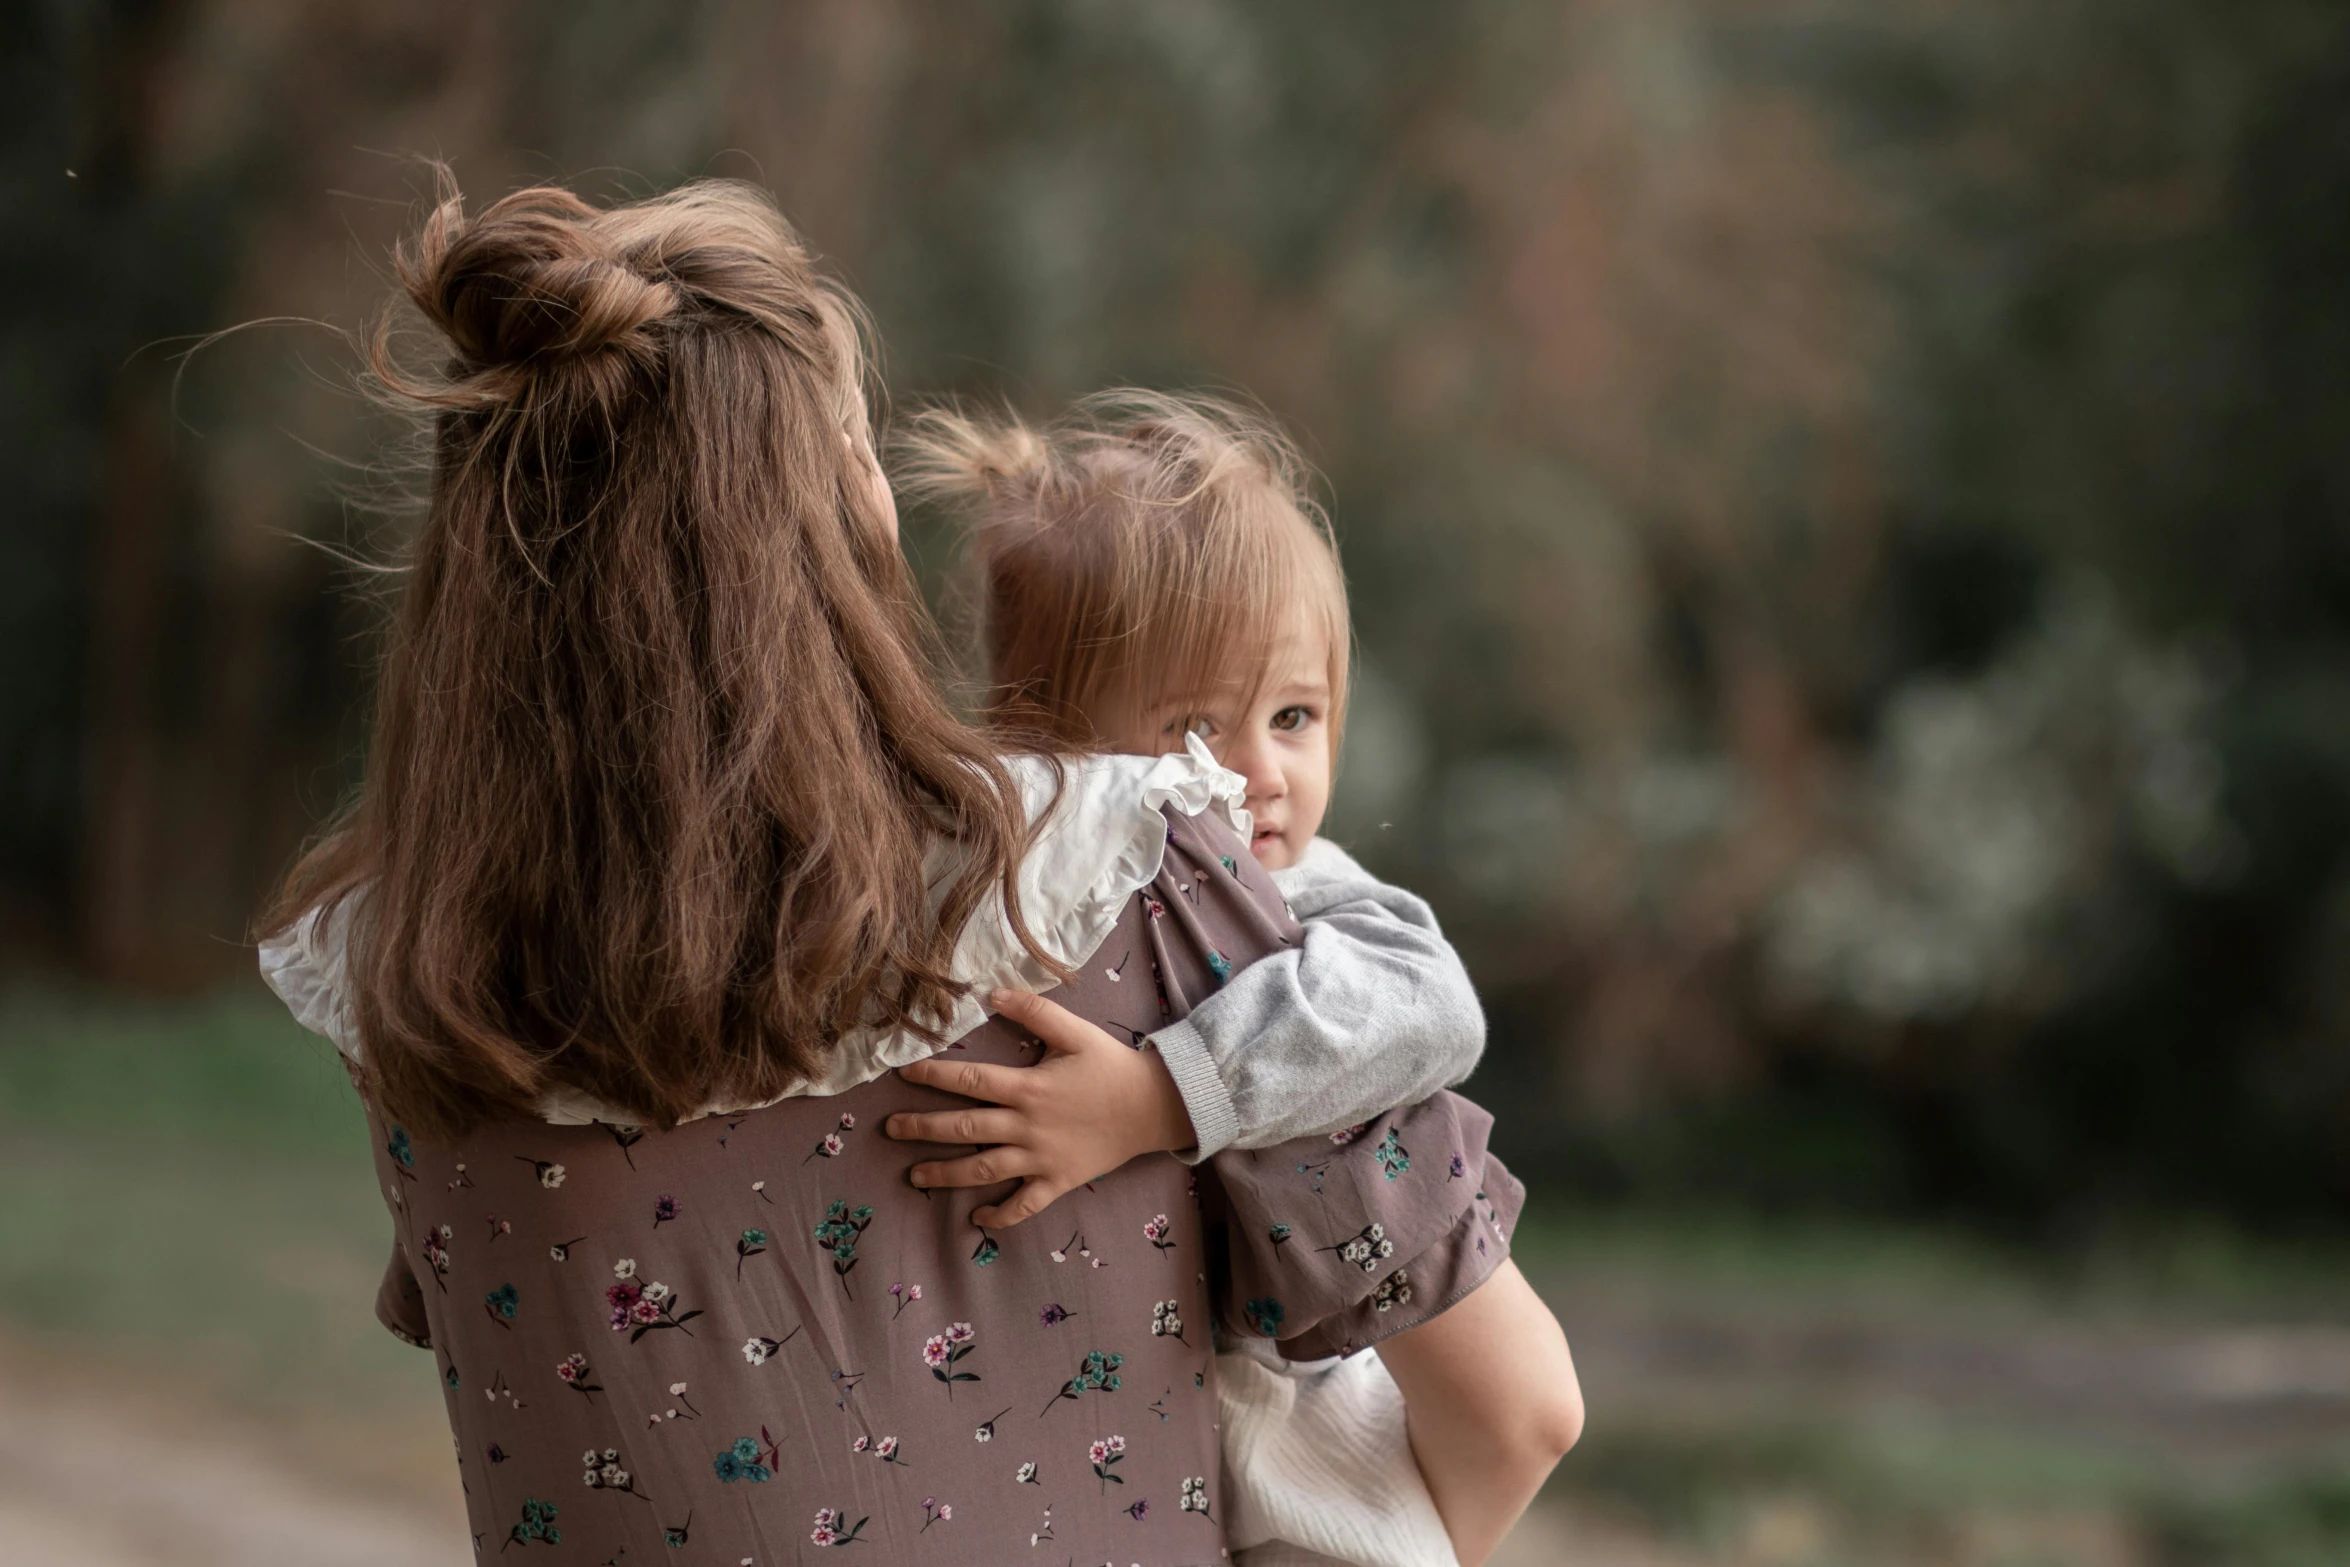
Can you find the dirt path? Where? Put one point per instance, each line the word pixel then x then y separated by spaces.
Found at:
pixel 100 1468
pixel 96 1473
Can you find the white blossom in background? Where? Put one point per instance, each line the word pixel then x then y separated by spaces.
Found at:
pixel 1990 815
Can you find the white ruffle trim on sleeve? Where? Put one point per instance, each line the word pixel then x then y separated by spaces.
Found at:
pixel 1102 842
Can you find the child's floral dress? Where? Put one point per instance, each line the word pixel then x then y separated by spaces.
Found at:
pixel 749 1340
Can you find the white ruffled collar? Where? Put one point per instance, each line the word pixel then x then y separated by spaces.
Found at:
pixel 1102 842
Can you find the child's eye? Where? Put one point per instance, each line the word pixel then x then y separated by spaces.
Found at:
pixel 1292 718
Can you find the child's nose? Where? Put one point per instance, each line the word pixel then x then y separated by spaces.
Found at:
pixel 1256 764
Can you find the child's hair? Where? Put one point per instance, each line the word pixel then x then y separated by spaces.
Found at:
pixel 1145 548
pixel 659 750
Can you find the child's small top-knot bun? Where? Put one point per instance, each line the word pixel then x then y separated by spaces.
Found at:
pixel 1146 547
pixel 949 454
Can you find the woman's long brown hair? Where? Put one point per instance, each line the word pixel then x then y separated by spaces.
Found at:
pixel 659 757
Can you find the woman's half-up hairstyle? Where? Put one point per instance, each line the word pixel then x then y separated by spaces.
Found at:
pixel 661 776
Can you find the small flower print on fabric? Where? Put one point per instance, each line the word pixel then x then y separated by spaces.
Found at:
pixel 501 1388
pixel 941 1352
pixel 1024 1475
pixel 846 1382
pixel 1393 1291
pixel 759 1190
pixel 1393 1157
pixel 561 1250
pixel 1156 1233
pixel 676 1535
pixel 1097 1373
pixel 1220 966
pixel 537 1526
pixel 664 1209
pixel 751 1243
pixel 624 1137
pixel 640 1307
pixel 840 1230
pixel 986 1251
pixel 1053 1314
pixel 830 1146
pixel 833 1527
pixel 1367 1250
pixel 1265 1316
pixel 549 1173
pixel 460 1181
pixel 502 1303
pixel 435 1246
pixel 986 1431
pixel 605 1473
pixel 1105 1455
pixel 747 1459
pixel 578 1375
pixel 403 1153
pixel 1460 1167
pixel 499 1226
pixel 886 1450
pixel 1280 1235
pixel 683 1409
pixel 1074 1245
pixel 1046 1532
pixel 1167 1321
pixel 905 1295
pixel 1347 1134
pixel 1140 1510
pixel 758 1349
pixel 934 1511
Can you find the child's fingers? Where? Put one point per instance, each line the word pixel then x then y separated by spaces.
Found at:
pixel 1056 1025
pixel 984 1168
pixel 1036 1194
pixel 975 1125
pixel 1003 1085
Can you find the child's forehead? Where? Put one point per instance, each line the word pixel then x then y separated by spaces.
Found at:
pixel 1294 661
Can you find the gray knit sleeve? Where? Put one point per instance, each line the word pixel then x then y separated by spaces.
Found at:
pixel 1372 1010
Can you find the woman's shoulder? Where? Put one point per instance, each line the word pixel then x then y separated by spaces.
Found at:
pixel 1100 832
pixel 305 965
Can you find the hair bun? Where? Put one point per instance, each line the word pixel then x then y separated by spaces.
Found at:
pixel 528 281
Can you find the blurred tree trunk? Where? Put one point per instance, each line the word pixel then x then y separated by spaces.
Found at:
pixel 137 511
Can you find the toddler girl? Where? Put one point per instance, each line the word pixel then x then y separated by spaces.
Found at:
pixel 1155 577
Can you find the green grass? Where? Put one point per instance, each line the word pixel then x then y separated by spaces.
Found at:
pixel 2178 1267
pixel 1894 1493
pixel 190 1197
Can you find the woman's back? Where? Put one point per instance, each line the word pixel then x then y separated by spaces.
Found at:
pixel 749 1335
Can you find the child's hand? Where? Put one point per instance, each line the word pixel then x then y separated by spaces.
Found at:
pixel 1087 1108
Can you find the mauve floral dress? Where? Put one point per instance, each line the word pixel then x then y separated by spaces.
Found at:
pixel 749 1341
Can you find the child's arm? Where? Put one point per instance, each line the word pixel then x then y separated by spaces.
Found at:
pixel 1492 1404
pixel 1371 1010
pixel 1374 1010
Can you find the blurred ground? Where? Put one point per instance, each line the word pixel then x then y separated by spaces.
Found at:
pixel 190 1377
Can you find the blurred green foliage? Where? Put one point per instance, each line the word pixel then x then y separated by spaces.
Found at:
pixel 1848 505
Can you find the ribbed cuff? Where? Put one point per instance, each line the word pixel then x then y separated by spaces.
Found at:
pixel 1214 1120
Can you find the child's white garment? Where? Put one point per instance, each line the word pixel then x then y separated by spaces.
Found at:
pixel 1318 1466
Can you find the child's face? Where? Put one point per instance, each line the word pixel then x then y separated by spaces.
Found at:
pixel 1279 741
